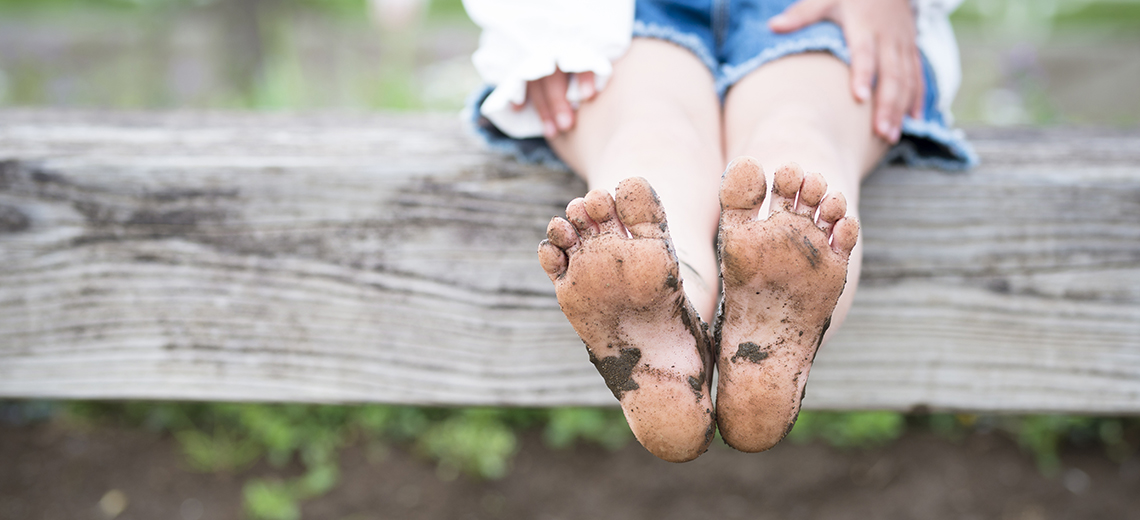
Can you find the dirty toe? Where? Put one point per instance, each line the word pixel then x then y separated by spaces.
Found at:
pixel 552 258
pixel 742 190
pixel 833 208
pixel 844 236
pixel 786 183
pixel 577 215
pixel 640 209
pixel 811 193
pixel 600 207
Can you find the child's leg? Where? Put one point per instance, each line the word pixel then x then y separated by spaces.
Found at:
pixel 779 299
pixel 658 119
pixel 800 109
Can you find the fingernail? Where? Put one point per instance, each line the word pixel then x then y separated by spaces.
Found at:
pixel 778 20
pixel 587 91
pixel 548 129
pixel 896 133
pixel 884 128
pixel 862 92
pixel 565 121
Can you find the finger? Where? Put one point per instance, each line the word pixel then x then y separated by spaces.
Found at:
pixel 555 89
pixel 537 96
pixel 918 105
pixel 906 90
pixel 862 64
pixel 907 86
pixel 587 86
pixel 800 15
pixel 888 93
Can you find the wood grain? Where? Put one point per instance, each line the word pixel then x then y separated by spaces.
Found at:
pixel 352 258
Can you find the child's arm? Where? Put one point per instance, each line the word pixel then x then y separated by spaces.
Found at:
pixel 881 36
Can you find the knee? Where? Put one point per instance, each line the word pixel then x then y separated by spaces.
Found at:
pixel 790 128
pixel 654 144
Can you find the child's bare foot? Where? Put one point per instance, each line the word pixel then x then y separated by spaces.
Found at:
pixel 782 278
pixel 617 280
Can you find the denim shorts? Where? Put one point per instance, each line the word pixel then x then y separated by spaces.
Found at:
pixel 732 39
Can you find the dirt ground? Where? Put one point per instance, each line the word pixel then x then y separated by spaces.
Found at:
pixel 50 472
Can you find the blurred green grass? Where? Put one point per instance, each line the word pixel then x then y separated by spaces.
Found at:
pixel 232 54
pixel 1027 61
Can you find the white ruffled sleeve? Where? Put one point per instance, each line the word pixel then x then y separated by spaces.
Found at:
pixel 937 42
pixel 524 40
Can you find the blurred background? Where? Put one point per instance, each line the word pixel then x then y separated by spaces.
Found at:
pixel 1025 62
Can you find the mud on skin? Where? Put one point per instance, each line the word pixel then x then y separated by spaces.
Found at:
pixel 750 351
pixel 783 274
pixel 618 282
pixel 617 371
pixel 700 331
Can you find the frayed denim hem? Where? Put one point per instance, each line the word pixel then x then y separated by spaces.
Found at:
pixel 532 150
pixel 928 144
pixel 669 34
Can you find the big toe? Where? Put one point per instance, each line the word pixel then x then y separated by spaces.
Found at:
pixel 742 190
pixel 640 209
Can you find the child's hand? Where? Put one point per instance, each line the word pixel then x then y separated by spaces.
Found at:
pixel 548 95
pixel 881 36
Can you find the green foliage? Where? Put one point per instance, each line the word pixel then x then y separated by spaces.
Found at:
pixel 1102 13
pixel 217 451
pixel 481 442
pixel 1043 436
pixel 849 429
pixel 231 437
pixel 336 7
pixel 475 441
pixel 275 499
pixel 948 425
pixel 447 9
pixel 271 500
pixel 397 422
pixel 604 426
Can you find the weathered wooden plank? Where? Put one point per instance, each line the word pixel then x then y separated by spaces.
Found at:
pixel 343 258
